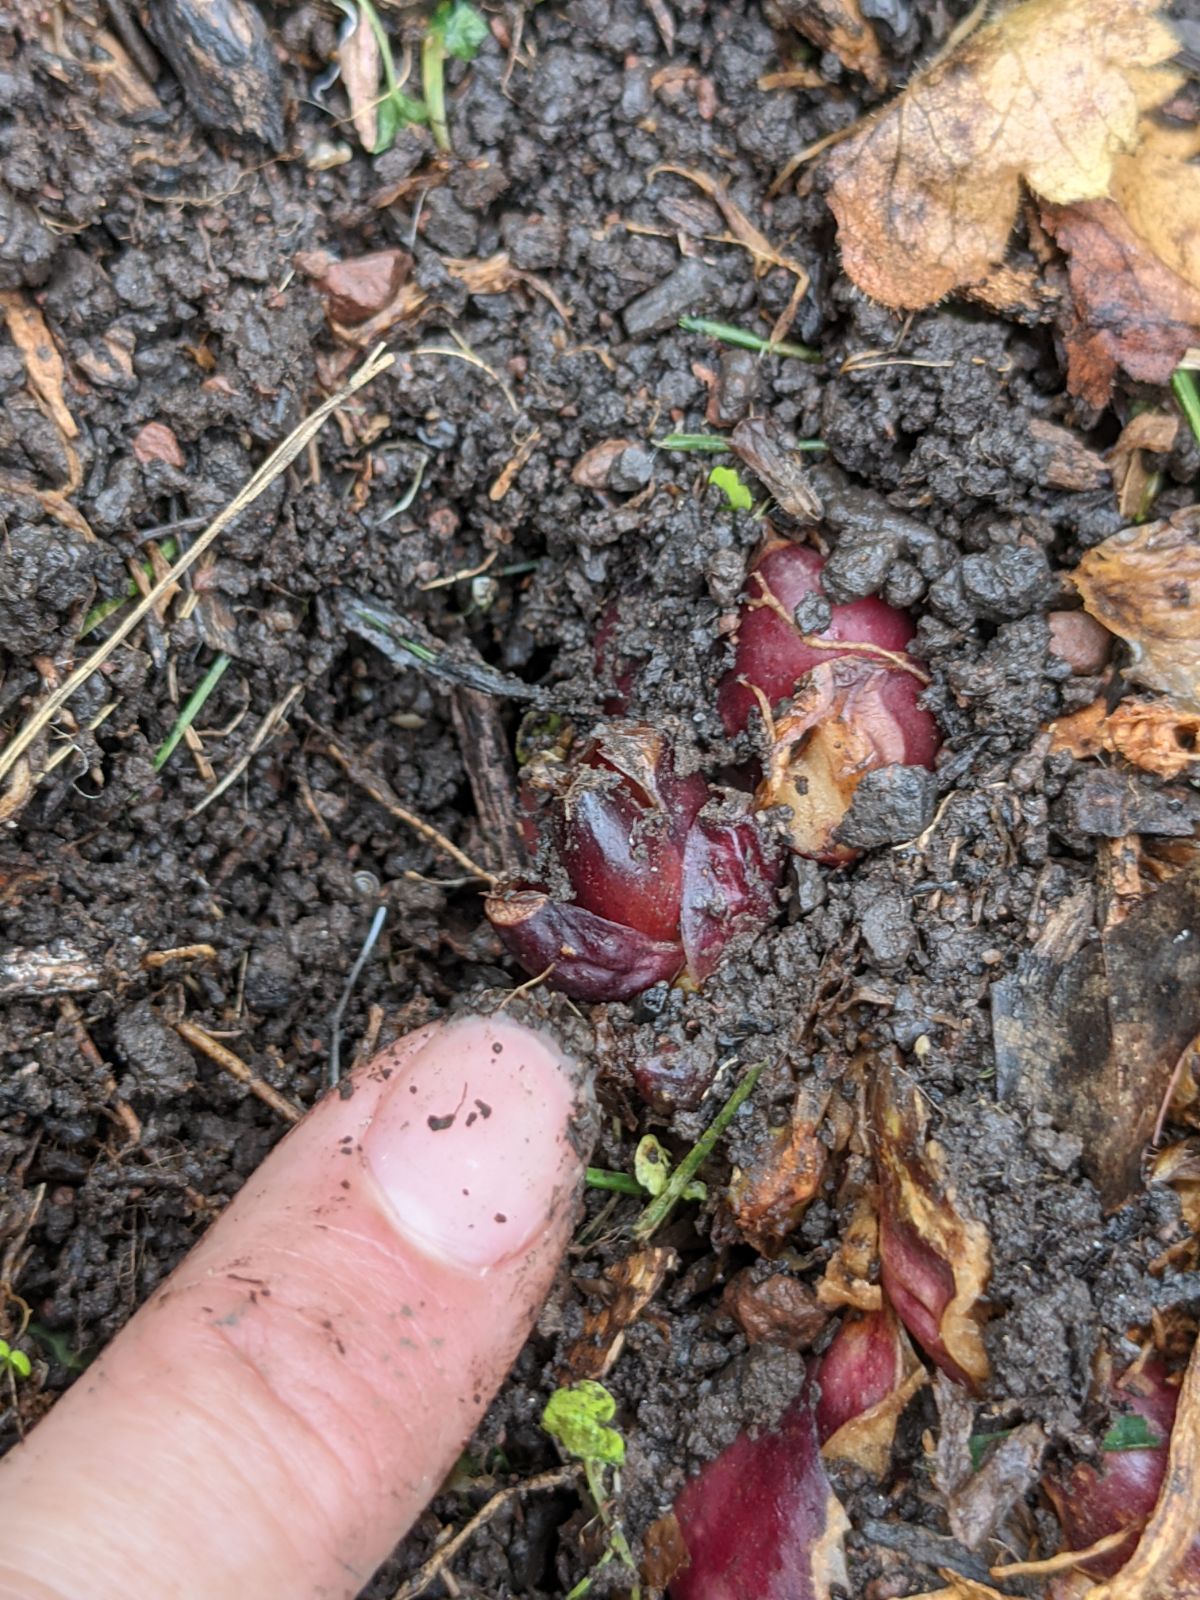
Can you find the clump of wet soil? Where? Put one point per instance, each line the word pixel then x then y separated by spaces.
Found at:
pixel 162 256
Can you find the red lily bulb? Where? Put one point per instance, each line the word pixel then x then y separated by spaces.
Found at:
pixel 850 696
pixel 1121 1490
pixel 661 872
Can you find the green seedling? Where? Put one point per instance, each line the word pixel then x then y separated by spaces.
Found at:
pixel 745 340
pixel 695 443
pixel 737 496
pixel 455 29
pixel 1187 394
pixel 191 710
pixel 105 608
pixel 578 1417
pixel 652 1170
pixel 675 1188
pixel 395 109
pixel 16 1361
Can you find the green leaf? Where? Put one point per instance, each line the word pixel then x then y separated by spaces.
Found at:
pixel 460 28
pixel 19 1362
pixel 737 496
pixel 576 1418
pixel 1130 1432
pixel 651 1165
pixel 398 110
pixel 980 1443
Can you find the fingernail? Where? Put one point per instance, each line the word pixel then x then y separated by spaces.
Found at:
pixel 469 1144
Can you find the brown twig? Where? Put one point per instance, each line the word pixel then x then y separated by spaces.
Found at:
pixel 216 1052
pixel 380 791
pixel 123 1112
pixel 559 1478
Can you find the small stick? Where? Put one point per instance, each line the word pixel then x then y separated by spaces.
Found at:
pixel 263 732
pixel 559 1478
pixel 203 1041
pixel 371 783
pixel 123 1112
pixel 180 952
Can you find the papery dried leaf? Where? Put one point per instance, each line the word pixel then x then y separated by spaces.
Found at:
pixel 934 1260
pixel 1049 92
pixel 761 1520
pixel 851 1274
pixel 769 1199
pixel 361 65
pixel 39 354
pixel 977 1509
pixel 867 1377
pixel 1150 734
pixel 635 1281
pixel 840 726
pixel 757 442
pixel 839 26
pixel 1143 584
pixel 1130 312
pixel 1090 1032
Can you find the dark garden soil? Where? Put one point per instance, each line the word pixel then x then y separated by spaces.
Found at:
pixel 163 258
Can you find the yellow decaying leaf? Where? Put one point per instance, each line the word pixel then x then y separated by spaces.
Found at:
pixel 1143 584
pixel 1051 92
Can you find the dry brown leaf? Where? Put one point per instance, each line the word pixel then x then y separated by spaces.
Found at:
pixel 1164 1567
pixel 744 231
pixel 769 1199
pixel 359 58
pixel 43 364
pixel 1129 311
pixel 1089 1030
pixel 1150 433
pixel 934 1258
pixel 156 442
pixel 839 26
pixel 1049 93
pixel 635 1281
pixel 1149 734
pixel 1143 584
pixel 592 469
pixel 1068 463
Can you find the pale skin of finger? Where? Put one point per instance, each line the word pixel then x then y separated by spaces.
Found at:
pixel 283 1407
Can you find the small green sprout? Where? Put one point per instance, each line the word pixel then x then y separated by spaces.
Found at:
pixel 651 1173
pixel 578 1417
pixel 709 444
pixel 455 29
pixel 16 1361
pixel 745 340
pixel 1130 1431
pixel 1187 394
pixel 395 110
pixel 737 496
pixel 652 1168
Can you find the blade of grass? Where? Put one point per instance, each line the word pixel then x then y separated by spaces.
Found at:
pixel 659 1209
pixel 1187 394
pixel 728 333
pixel 700 443
pixel 105 608
pixel 191 710
pixel 433 82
